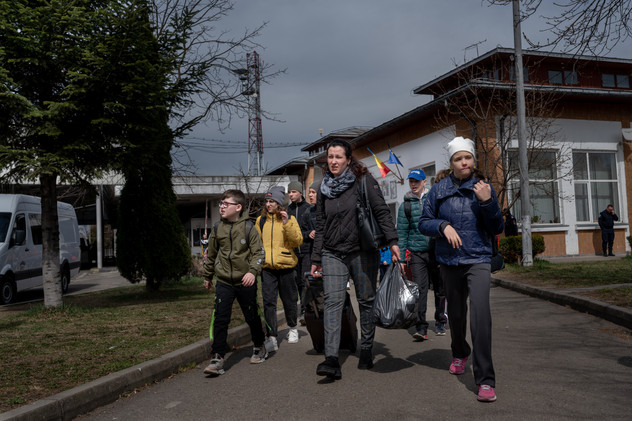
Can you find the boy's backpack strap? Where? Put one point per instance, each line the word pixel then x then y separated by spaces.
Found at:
pixel 215 225
pixel 408 210
pixel 249 226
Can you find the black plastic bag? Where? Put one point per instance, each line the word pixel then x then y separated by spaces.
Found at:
pixel 395 305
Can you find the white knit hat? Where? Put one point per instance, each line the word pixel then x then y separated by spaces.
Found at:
pixel 460 144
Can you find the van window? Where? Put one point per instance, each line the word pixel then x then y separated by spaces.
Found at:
pixel 35 221
pixel 19 230
pixel 67 231
pixel 5 219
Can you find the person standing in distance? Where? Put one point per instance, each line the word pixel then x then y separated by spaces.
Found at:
pixel 607 218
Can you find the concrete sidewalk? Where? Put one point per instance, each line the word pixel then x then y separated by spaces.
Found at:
pixel 85 398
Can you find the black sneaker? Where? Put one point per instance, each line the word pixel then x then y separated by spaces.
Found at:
pixel 366 359
pixel 330 368
pixel 421 335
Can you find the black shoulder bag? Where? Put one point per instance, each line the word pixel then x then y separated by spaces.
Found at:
pixel 370 235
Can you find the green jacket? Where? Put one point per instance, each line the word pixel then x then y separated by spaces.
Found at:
pixel 409 236
pixel 230 255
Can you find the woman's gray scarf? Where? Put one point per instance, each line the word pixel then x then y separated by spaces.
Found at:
pixel 333 187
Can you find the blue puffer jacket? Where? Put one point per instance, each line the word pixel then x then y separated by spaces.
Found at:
pixel 474 222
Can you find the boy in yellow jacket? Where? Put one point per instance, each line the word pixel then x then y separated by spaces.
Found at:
pixel 280 234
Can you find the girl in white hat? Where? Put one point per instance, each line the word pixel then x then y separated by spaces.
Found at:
pixel 462 212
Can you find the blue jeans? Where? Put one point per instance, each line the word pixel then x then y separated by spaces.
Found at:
pixel 362 267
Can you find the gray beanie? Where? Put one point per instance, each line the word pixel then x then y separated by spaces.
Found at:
pixel 295 185
pixel 277 193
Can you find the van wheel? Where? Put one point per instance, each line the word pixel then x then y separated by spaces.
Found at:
pixel 7 290
pixel 65 281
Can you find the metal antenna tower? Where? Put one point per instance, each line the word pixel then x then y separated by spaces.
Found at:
pixel 255 136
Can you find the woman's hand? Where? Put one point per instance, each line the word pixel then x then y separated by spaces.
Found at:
pixel 452 237
pixel 317 271
pixel 483 191
pixel 312 234
pixel 284 217
pixel 395 256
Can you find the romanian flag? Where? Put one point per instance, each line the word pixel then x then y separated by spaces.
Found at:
pixel 383 168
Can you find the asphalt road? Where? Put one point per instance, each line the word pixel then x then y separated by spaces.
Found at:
pixel 551 363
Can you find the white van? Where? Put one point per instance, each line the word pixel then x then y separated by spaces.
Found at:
pixel 21 244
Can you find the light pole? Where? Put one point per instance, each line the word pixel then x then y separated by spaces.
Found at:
pixel 525 202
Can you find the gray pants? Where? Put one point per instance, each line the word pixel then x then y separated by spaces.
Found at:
pixel 459 282
pixel 362 267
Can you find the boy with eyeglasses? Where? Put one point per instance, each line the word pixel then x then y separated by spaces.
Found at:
pixel 235 258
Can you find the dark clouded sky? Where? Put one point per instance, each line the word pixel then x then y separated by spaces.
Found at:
pixel 353 63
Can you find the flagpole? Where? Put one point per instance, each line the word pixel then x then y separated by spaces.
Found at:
pixel 395 161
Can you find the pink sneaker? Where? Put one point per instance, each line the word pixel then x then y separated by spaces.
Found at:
pixel 458 365
pixel 486 393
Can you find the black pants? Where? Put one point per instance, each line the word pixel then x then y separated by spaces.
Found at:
pixel 473 281
pixel 304 265
pixel 283 283
pixel 224 297
pixel 607 239
pixel 424 270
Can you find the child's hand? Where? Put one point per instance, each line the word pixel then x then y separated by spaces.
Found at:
pixel 248 279
pixel 483 191
pixel 208 284
pixel 452 237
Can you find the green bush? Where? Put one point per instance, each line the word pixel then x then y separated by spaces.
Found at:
pixel 629 237
pixel 511 247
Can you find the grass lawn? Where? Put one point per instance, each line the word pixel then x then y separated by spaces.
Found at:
pixel 579 275
pixel 47 351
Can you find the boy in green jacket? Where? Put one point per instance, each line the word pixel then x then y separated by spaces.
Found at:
pixel 235 258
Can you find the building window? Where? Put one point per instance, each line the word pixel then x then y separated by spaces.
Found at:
pixel 525 74
pixel 563 77
pixel 493 74
pixel 431 173
pixel 610 80
pixel 35 221
pixel 595 176
pixel 543 186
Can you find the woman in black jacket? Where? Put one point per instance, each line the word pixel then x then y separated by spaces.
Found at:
pixel 337 254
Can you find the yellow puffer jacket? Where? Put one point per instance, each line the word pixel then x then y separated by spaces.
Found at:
pixel 279 240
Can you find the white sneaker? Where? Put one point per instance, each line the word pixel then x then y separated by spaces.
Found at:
pixel 271 344
pixel 259 355
pixel 292 336
pixel 216 367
